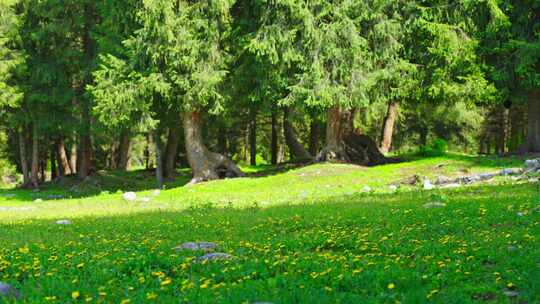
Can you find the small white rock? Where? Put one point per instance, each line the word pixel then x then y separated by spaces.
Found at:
pixel 428 185
pixel 366 189
pixel 129 196
pixel 156 192
pixel 393 188
pixel 63 222
pixel 38 200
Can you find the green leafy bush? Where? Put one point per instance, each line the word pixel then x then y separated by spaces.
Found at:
pixel 437 147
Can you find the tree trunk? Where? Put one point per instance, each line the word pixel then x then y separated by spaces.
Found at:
pixel 159 161
pixel 63 162
pixel 123 150
pixel 297 150
pixel 24 157
pixel 204 164
pixel 388 127
pixel 274 144
pixel 171 152
pixel 34 177
pixel 532 141
pixel 314 137
pixel 73 159
pixel 253 137
pixel 334 149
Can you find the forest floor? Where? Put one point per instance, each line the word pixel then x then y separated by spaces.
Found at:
pixel 310 234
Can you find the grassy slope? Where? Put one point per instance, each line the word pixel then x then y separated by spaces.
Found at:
pixel 304 236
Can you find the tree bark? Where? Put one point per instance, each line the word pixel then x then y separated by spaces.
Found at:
pixel 388 127
pixel 297 150
pixel 73 157
pixel 253 137
pixel 24 157
pixel 171 152
pixel 123 150
pixel 63 162
pixel 532 141
pixel 334 149
pixel 204 164
pixel 34 177
pixel 274 144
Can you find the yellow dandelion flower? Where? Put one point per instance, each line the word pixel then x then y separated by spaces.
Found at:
pixel 166 282
pixel 391 286
pixel 75 295
pixel 151 296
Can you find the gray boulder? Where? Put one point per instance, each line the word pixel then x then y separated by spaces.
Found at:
pixel 204 246
pixel 216 256
pixel 7 291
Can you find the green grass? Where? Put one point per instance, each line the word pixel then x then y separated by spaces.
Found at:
pixel 307 235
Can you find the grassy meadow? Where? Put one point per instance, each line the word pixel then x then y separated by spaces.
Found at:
pixel 310 234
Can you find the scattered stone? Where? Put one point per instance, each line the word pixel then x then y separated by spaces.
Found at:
pixel 532 163
pixel 441 180
pixel 216 256
pixel 38 200
pixel 7 291
pixel 63 222
pixel 129 196
pixel 156 192
pixel 205 246
pixel 428 185
pixel 533 180
pixel 510 171
pixel 511 293
pixel 366 189
pixel 393 188
pixel 434 205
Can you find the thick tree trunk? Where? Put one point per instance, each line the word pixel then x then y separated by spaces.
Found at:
pixel 253 137
pixel 24 157
pixel 63 162
pixel 532 141
pixel 34 177
pixel 159 160
pixel 123 150
pixel 314 130
pixel 388 127
pixel 171 152
pixel 297 150
pixel 334 149
pixel 85 161
pixel 274 144
pixel 204 164
pixel 344 143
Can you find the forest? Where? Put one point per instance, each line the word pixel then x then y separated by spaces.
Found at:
pixel 92 85
pixel 270 151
